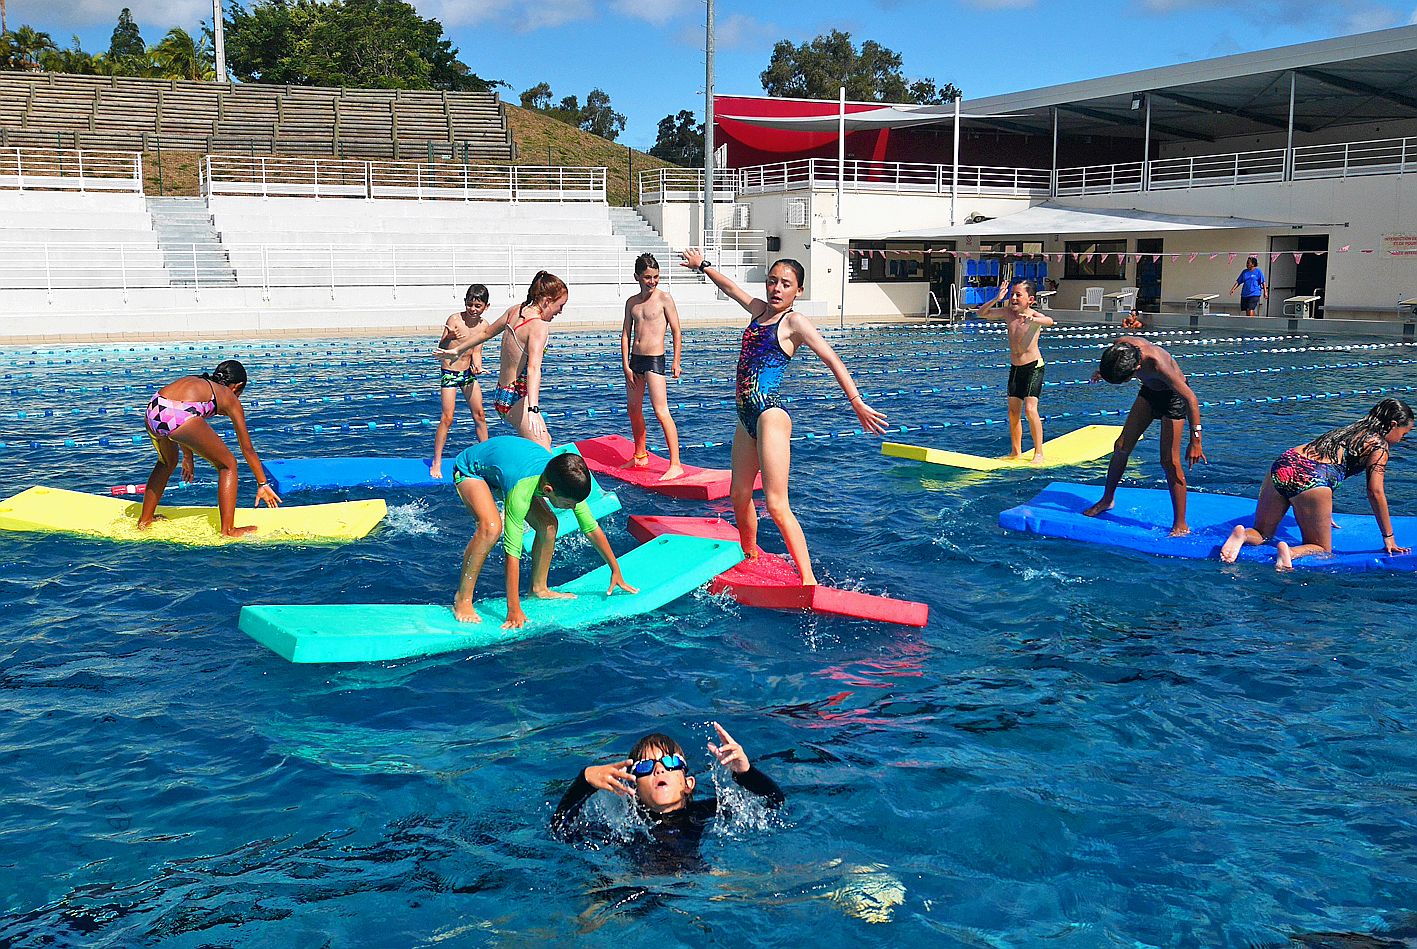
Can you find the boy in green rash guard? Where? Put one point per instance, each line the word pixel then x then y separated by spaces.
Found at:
pixel 528 478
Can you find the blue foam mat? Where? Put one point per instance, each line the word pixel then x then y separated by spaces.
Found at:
pixel 1141 521
pixel 332 474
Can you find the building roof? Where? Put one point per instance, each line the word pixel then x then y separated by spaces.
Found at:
pixel 1054 218
pixel 1350 80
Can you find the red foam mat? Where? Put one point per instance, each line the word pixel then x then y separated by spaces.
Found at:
pixel 770 582
pixel 608 454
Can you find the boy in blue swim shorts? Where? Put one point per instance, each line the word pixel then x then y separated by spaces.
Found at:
pixel 530 481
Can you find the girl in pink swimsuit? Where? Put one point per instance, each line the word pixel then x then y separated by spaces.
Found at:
pixel 176 421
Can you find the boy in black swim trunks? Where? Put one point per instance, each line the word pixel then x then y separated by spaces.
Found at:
pixel 1025 363
pixel 656 775
pixel 459 373
pixel 647 315
pixel 1164 395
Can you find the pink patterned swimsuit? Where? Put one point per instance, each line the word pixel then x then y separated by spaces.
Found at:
pixel 166 416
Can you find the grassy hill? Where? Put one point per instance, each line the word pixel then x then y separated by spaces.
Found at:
pixel 542 140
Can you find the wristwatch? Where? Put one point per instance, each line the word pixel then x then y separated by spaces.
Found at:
pixel 534 408
pixel 705 265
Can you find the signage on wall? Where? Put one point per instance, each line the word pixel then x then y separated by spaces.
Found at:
pixel 1400 245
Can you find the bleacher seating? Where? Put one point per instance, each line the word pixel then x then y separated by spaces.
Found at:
pixel 70 239
pixel 49 110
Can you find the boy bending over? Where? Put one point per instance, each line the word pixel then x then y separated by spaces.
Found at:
pixel 530 481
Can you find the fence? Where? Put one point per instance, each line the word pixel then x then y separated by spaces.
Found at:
pixel 661 185
pixel 344 178
pixel 52 169
pixel 893 177
pixel 127 266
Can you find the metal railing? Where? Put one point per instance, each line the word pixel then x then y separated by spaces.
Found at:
pixel 126 266
pixel 737 250
pixel 892 177
pixel 1203 171
pixel 1392 156
pixel 661 185
pixel 1100 179
pixel 52 169
pixel 265 176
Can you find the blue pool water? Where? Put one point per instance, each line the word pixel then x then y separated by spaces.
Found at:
pixel 1084 748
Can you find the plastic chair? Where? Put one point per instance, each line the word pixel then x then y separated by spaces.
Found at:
pixel 1091 299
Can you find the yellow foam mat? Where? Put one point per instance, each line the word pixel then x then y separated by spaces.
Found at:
pixel 72 512
pixel 1088 443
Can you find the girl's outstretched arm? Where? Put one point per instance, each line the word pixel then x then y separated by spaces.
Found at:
pixel 693 259
pixel 806 334
pixel 479 336
pixel 234 412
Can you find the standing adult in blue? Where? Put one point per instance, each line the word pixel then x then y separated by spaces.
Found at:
pixel 1252 286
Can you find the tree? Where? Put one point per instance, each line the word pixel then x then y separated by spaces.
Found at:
pixel 71 60
pixel 179 56
pixel 355 43
pixel 538 97
pixel 127 40
pixel 818 69
pixel 25 48
pixel 680 140
pixel 598 118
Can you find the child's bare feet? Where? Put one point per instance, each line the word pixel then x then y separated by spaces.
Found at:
pixel 638 460
pixel 1100 507
pixel 464 613
pixel 435 470
pixel 1014 456
pixel 1037 458
pixel 1231 548
pixel 144 524
pixel 549 594
pixel 239 531
pixel 675 471
pixel 1180 530
pixel 1283 561
pixel 750 554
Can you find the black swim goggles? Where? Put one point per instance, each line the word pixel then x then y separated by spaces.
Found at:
pixel 645 766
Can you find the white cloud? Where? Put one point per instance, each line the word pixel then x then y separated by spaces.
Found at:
pixel 153 17
pixel 658 12
pixel 522 17
pixel 735 31
pixel 1342 16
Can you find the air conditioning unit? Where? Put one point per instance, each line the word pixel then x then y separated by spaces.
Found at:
pixel 798 215
pixel 742 216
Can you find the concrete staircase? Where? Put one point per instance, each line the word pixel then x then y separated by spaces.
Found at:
pixel 641 237
pixel 192 250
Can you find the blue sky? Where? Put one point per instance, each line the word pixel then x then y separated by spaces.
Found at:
pixel 648 54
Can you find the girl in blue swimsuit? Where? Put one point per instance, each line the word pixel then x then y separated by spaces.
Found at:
pixel 763 439
pixel 1305 477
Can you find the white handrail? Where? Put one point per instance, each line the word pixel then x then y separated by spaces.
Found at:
pixel 49 169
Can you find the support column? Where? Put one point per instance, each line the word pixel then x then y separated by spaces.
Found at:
pixel 954 173
pixel 708 126
pixel 1053 178
pixel 1289 134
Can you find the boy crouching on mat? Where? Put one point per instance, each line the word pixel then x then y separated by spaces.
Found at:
pixel 647 315
pixel 1164 395
pixel 656 777
pixel 1025 363
pixel 528 478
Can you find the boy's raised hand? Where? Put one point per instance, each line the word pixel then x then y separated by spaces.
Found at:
pixel 729 754
pixel 691 258
pixel 614 777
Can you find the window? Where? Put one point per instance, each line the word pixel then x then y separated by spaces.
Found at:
pixel 1076 268
pixel 889 261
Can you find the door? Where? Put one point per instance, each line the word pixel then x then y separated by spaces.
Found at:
pixel 1308 276
pixel 940 271
pixel 1149 275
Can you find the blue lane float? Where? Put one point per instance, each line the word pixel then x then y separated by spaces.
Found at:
pixel 1141 521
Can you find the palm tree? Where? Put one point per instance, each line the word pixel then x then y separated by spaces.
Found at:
pixel 179 56
pixel 26 46
pixel 72 60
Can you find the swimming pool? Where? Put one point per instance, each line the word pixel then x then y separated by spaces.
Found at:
pixel 1085 747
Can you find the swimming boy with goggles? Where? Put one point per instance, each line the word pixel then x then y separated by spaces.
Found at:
pixel 530 481
pixel 656 777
